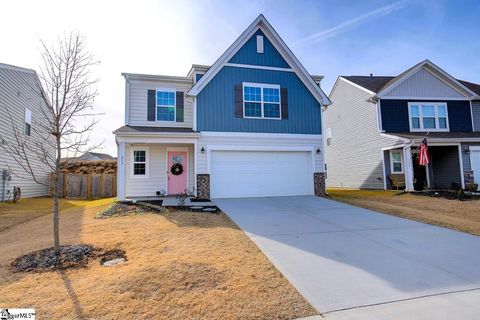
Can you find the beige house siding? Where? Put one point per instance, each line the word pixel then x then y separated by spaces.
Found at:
pixel 157 167
pixel 137 102
pixel 19 90
pixel 354 158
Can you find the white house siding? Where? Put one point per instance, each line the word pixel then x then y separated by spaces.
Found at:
pixel 476 115
pixel 258 141
pixel 137 95
pixel 157 163
pixel 424 84
pixel 354 158
pixel 19 89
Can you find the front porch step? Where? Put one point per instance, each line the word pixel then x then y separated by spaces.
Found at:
pixel 173 202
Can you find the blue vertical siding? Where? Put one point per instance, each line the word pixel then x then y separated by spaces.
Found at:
pixel 216 104
pixel 248 54
pixel 395 115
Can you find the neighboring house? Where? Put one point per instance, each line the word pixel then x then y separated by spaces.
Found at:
pixel 376 123
pixel 22 111
pixel 94 156
pixel 250 125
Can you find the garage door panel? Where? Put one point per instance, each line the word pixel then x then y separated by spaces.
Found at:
pixel 256 174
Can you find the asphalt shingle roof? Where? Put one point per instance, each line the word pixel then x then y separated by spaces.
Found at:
pixel 376 83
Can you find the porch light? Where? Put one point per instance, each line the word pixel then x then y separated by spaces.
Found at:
pixel 202 150
pixel 319 151
pixel 467 149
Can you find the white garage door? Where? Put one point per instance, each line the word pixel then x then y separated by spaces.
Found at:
pixel 260 174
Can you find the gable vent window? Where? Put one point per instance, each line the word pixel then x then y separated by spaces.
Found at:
pixel 259 44
pixel 28 122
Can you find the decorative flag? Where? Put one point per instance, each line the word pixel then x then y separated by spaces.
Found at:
pixel 423 158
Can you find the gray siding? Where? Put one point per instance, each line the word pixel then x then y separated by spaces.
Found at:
pixel 424 84
pixel 19 90
pixel 476 115
pixel 445 166
pixel 466 156
pixel 354 159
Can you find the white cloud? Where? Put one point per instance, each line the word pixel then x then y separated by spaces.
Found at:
pixel 325 34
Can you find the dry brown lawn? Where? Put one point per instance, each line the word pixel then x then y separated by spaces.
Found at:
pixel 180 266
pixel 459 215
pixel 12 214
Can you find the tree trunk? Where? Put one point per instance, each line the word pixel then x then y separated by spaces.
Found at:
pixel 56 231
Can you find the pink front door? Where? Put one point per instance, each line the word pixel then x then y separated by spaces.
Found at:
pixel 177 182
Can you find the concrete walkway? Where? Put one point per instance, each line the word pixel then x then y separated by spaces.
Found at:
pixel 353 263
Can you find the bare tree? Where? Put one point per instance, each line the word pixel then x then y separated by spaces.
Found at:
pixel 69 91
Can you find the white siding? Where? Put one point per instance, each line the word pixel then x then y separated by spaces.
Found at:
pixel 137 113
pixel 19 90
pixel 157 178
pixel 424 84
pixel 258 141
pixel 354 158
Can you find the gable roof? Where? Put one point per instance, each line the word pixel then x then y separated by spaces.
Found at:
pixel 262 24
pixel 372 83
pixel 95 156
pixel 380 84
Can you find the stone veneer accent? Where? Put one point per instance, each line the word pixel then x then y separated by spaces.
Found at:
pixel 319 183
pixel 203 186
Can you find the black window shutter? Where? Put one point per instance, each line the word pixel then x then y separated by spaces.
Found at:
pixel 238 101
pixel 179 106
pixel 284 98
pixel 151 105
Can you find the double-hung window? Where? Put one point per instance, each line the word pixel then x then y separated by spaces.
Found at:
pixel 396 161
pixel 428 116
pixel 140 165
pixel 165 105
pixel 261 101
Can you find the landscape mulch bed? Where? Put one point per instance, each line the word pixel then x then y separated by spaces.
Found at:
pixel 147 207
pixel 446 194
pixel 69 257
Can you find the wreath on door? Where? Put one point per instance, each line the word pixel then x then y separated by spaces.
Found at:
pixel 176 169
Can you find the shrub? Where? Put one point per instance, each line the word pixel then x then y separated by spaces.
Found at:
pixel 472 187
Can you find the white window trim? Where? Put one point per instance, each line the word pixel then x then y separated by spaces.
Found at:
pixel 401 161
pixel 174 104
pixel 262 86
pixel 147 161
pixel 420 115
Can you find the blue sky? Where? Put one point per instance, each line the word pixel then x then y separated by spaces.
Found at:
pixel 330 38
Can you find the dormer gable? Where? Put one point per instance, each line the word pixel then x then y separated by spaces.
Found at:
pixel 425 81
pixel 259 51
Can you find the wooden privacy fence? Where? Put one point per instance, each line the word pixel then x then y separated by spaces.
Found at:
pixel 85 186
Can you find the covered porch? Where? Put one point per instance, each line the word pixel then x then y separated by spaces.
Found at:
pixel 156 165
pixel 445 170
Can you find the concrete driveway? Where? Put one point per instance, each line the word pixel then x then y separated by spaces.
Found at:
pixel 353 263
